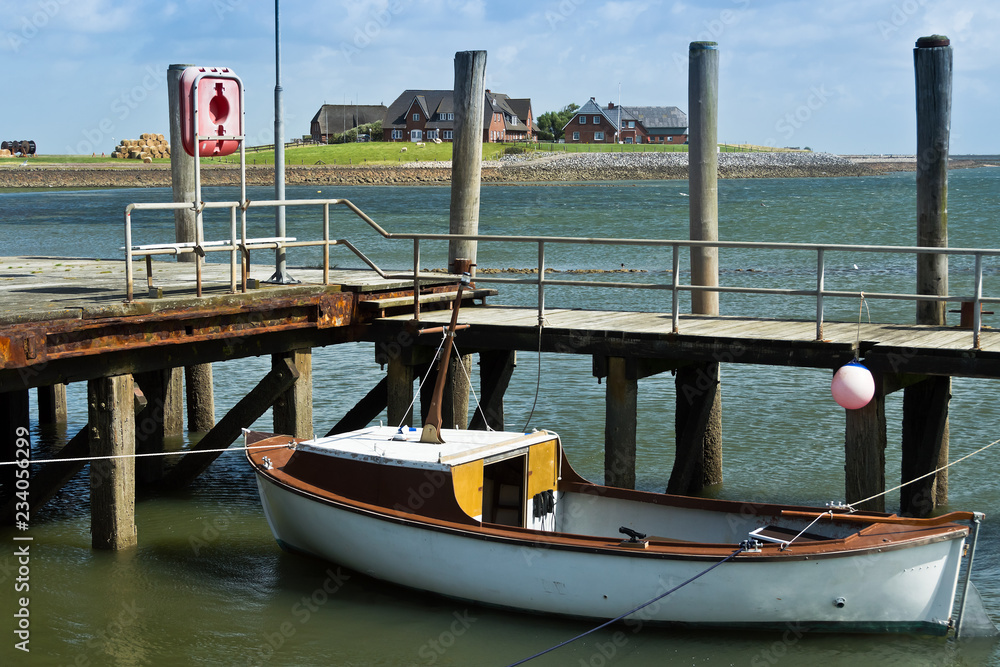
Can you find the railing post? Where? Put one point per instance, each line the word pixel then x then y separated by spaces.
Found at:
pixel 675 307
pixel 977 315
pixel 416 279
pixel 128 256
pixel 234 252
pixel 820 278
pixel 541 282
pixel 326 243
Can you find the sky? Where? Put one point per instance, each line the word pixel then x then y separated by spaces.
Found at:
pixel 831 75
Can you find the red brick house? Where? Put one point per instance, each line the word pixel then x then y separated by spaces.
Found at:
pixel 628 125
pixel 426 115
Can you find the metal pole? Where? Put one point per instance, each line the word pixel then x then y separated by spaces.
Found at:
pixel 280 276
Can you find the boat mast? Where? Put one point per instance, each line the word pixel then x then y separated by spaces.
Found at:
pixel 431 432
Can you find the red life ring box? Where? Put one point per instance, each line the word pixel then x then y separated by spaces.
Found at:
pixel 219 110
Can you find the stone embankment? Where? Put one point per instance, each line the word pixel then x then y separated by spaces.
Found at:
pixel 533 168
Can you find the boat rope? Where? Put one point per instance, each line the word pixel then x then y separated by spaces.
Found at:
pixel 465 372
pixel 538 379
pixel 862 305
pixel 430 367
pixel 746 544
pixel 785 545
pixel 851 506
pixel 179 452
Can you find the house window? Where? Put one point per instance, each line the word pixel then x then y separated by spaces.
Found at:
pixel 597 120
pixel 432 134
pixel 416 118
pixel 576 136
pixel 416 135
pixel 451 116
pixel 447 134
pixel 397 134
pixel 583 120
pixel 598 136
pixel 631 123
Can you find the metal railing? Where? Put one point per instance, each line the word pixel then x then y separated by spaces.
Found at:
pixel 541 281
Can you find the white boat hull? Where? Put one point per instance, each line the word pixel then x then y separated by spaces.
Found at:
pixel 906 589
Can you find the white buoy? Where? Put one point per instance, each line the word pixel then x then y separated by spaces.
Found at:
pixel 853 386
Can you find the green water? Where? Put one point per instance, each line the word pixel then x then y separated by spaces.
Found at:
pixel 208 585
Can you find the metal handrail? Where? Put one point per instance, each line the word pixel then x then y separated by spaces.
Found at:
pixel 820 292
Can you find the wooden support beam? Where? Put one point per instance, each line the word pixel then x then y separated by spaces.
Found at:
pixel 292 411
pixel 248 410
pixel 162 392
pixel 925 445
pixel 698 460
pixel 399 392
pixel 619 425
pixel 495 370
pixel 52 404
pixel 367 409
pixel 200 397
pixel 455 407
pixel 112 481
pixel 864 453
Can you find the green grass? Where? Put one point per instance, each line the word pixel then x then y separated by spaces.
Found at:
pixel 380 153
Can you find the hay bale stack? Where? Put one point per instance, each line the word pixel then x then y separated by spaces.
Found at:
pixel 147 146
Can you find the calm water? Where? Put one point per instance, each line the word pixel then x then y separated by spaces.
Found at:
pixel 208 584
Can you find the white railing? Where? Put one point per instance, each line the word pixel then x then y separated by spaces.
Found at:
pixel 540 280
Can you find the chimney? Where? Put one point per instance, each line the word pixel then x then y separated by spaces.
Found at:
pixel 611 105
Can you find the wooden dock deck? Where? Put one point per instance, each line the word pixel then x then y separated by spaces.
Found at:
pixel 887 348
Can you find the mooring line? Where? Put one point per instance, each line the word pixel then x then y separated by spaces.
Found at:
pixel 743 547
pixel 917 479
pixel 179 452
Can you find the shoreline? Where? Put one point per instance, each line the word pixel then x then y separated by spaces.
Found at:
pixel 566 168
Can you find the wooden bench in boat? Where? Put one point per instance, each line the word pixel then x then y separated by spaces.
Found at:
pixel 779 535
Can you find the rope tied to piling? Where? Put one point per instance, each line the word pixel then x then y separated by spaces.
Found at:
pixel 180 452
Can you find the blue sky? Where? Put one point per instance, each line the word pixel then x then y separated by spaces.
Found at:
pixel 834 75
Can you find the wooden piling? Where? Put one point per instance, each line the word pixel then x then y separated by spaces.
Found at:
pixel 467 153
pixel 181 167
pixel 698 427
pixel 157 422
pixel 699 411
pixel 495 370
pixel 52 404
pixel 399 403
pixel 620 424
pixel 864 453
pixel 926 449
pixel 293 411
pixel 200 398
pixel 14 415
pixel 112 481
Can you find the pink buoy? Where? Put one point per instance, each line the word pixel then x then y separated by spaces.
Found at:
pixel 853 386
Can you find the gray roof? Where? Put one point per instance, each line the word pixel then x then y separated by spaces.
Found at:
pixel 333 118
pixel 434 102
pixel 653 118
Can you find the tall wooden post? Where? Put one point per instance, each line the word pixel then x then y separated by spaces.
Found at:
pixel 293 411
pixel 925 405
pixel 112 481
pixel 52 404
pixel 698 462
pixel 160 419
pixel 466 168
pixel 399 405
pixel 864 453
pixel 200 397
pixel 14 415
pixel 181 166
pixel 620 425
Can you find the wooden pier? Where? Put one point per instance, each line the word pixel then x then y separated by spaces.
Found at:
pixel 65 320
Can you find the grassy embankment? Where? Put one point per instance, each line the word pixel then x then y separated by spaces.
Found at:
pixel 374 153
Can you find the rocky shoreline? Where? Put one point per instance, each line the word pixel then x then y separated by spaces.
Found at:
pixel 536 168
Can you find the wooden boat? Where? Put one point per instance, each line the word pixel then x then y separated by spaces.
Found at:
pixel 501 518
